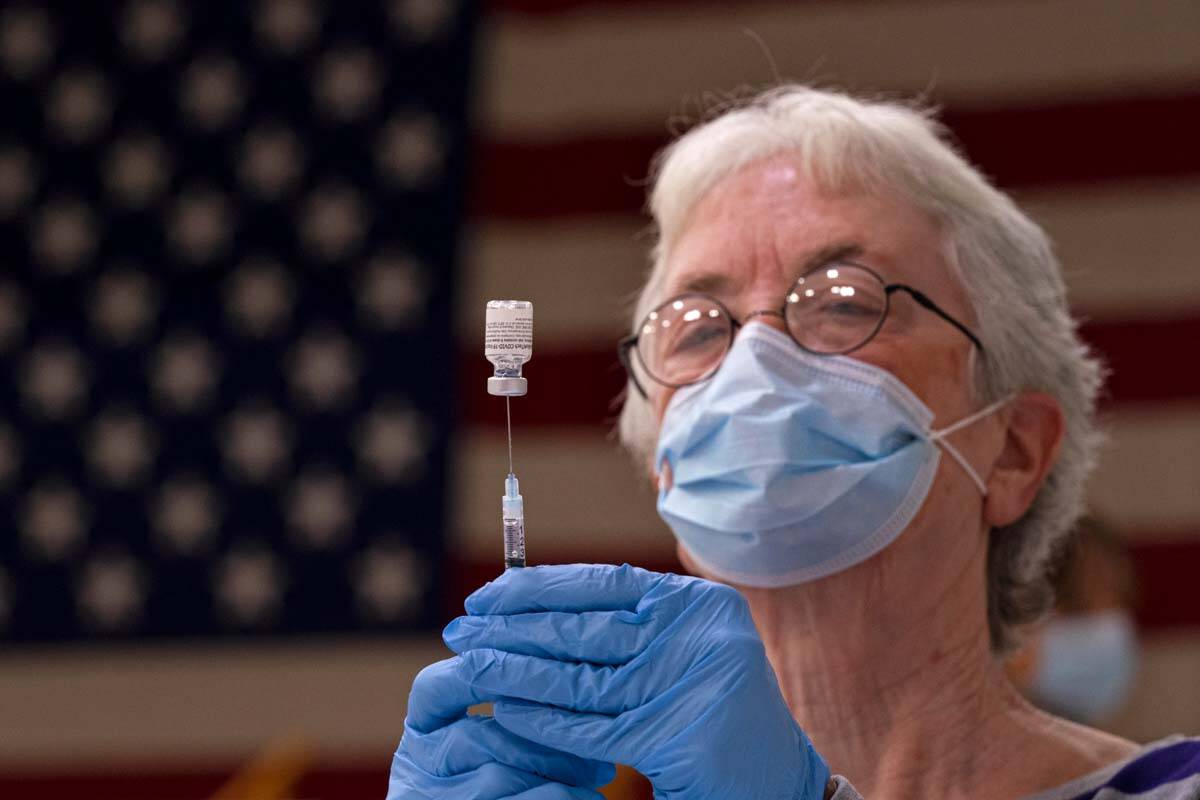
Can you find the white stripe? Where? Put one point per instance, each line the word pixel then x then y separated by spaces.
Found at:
pixel 1148 479
pixel 1166 695
pixel 208 706
pixel 583 496
pixel 226 701
pixel 580 276
pixel 1127 249
pixel 610 70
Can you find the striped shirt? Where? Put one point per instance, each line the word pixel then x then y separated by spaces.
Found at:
pixel 1168 769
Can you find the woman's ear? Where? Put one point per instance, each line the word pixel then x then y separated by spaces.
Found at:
pixel 1034 435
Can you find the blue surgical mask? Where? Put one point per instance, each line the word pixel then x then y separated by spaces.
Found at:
pixel 1085 664
pixel 787 466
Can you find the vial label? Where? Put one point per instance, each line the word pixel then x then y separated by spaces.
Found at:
pixel 508 335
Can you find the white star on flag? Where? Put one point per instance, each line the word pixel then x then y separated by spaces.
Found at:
pixel 422 20
pixel 111 592
pixel 26 41
pixel 393 291
pixel 12 315
pixel 53 521
pixel 53 379
pixel 410 149
pixel 286 25
pixel 151 28
pixel 123 305
pixel 137 170
pixel 333 221
pixel 10 454
pixel 185 516
pixel 64 234
pixel 17 178
pixel 320 509
pixel 184 372
pixel 259 298
pixel 256 443
pixel 6 593
pixel 389 579
pixel 120 447
pixel 323 369
pixel 348 81
pixel 271 160
pixel 392 442
pixel 212 92
pixel 201 224
pixel 248 586
pixel 79 106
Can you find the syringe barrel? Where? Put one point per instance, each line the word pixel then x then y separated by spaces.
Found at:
pixel 512 513
pixel 514 542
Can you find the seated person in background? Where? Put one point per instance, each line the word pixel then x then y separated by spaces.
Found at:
pixel 1081 663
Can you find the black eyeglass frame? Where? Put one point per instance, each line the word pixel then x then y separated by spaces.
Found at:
pixel 630 342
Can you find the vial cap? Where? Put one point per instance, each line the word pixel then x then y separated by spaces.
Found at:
pixel 507 387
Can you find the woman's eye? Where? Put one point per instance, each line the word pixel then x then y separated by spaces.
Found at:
pixel 698 337
pixel 849 310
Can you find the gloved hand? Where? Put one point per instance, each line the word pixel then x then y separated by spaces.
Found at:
pixel 661 672
pixel 446 754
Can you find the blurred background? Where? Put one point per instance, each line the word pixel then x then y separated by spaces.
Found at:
pixel 248 465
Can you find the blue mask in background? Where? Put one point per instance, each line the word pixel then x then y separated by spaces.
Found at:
pixel 1085 664
pixel 787 466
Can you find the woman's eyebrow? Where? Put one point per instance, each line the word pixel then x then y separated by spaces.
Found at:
pixel 833 252
pixel 716 283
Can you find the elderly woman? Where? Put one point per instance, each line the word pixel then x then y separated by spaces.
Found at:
pixel 838 300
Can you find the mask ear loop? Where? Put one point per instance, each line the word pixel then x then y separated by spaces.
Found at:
pixel 939 438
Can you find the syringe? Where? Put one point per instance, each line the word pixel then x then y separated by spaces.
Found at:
pixel 513 516
pixel 508 344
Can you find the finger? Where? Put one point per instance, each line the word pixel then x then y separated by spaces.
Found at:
pixel 554 791
pixel 469 743
pixel 579 687
pixel 597 637
pixel 440 696
pixel 565 587
pixel 491 781
pixel 596 736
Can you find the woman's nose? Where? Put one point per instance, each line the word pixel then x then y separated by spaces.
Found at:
pixel 767 316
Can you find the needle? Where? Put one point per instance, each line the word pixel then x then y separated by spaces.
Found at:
pixel 508 419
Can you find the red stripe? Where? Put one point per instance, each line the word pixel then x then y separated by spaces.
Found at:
pixel 148 782
pixel 1019 147
pixel 552 8
pixel 1151 362
pixel 151 781
pixel 1166 582
pixel 1166 574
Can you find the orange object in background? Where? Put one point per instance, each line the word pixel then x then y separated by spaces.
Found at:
pixel 271 775
pixel 628 785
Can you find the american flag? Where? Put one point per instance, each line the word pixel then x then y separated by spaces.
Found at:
pixel 229 234
pixel 1088 111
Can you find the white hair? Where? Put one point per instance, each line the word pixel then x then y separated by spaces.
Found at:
pixel 1005 262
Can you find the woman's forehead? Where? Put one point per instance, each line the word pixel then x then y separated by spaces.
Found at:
pixel 766 222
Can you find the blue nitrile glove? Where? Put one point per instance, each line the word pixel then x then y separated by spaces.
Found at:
pixel 446 754
pixel 661 672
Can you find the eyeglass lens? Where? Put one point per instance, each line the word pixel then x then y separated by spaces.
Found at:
pixel 834 309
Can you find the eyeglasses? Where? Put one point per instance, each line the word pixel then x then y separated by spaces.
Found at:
pixel 832 310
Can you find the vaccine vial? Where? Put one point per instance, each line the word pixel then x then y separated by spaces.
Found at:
pixel 508 344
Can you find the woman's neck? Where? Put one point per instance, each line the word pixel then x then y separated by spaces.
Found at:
pixel 902 695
